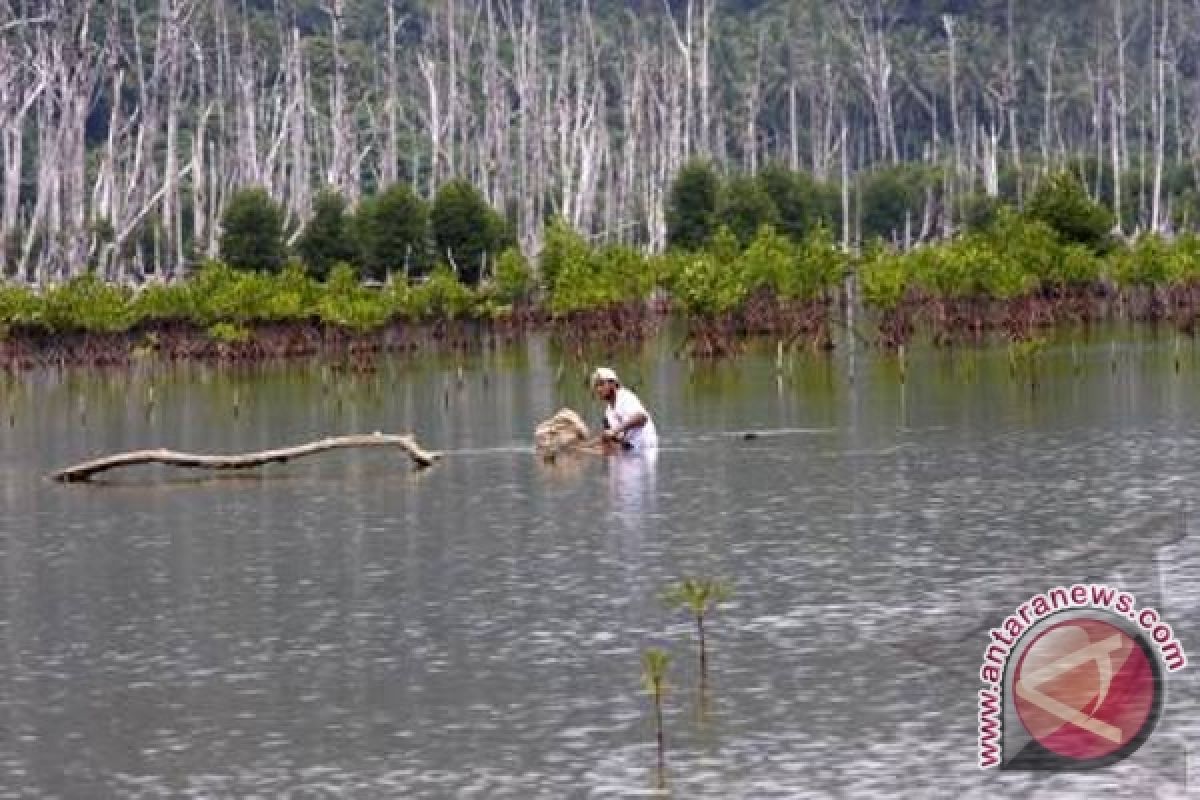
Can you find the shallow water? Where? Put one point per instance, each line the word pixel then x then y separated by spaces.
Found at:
pixel 345 627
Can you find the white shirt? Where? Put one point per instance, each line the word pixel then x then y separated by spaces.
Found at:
pixel 625 406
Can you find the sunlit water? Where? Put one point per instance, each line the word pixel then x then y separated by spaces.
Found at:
pixel 345 627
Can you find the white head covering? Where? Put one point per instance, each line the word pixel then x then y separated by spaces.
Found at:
pixel 604 374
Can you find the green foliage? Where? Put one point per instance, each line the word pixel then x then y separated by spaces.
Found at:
pixel 19 305
pixel 979 211
pixel 1077 266
pixel 724 245
pixel 218 293
pixel 801 202
pixel 466 229
pixel 706 286
pixel 161 302
pixel 1185 252
pixel 441 295
pixel 1153 261
pixel 326 239
pixel 625 270
pixel 1062 204
pixel 87 303
pixel 692 206
pixel 821 264
pixel 1013 256
pixel 1030 242
pixel 348 304
pixel 228 333
pixel 564 259
pixel 884 277
pixel 252 232
pixel 562 247
pixel 392 233
pixel 893 197
pixel 581 284
pixel 514 278
pixel 292 295
pixel 710 282
pixel 655 662
pixel 987 270
pixel 770 262
pixel 745 207
pixel 789 270
pixel 698 595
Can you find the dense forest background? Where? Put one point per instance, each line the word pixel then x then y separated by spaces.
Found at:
pixel 128 126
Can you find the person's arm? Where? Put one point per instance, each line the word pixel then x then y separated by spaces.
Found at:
pixel 637 420
pixel 635 416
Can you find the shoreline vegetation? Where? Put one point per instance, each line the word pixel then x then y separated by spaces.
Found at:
pixel 741 265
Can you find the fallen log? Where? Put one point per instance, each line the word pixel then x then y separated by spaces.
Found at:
pixel 84 471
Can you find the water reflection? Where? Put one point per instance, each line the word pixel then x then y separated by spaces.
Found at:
pixel 632 484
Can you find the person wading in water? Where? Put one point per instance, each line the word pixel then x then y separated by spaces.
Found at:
pixel 627 425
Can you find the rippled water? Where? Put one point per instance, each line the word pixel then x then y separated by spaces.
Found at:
pixel 344 627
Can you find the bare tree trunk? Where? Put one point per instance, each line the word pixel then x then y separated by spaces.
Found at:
pixel 753 94
pixel 956 128
pixel 391 150
pixel 1048 109
pixel 684 41
pixel 1012 90
pixel 705 79
pixel 522 25
pixel 1115 140
pixel 1159 106
pixel 172 18
pixel 20 89
pixel 1122 90
pixel 341 168
pixel 866 32
pixel 843 146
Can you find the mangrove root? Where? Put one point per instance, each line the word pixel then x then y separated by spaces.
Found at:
pixel 83 472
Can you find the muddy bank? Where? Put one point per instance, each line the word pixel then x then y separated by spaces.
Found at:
pixel 971 320
pixel 27 348
pixel 798 323
pixel 23 348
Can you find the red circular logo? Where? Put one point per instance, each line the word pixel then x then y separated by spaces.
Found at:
pixel 1084 689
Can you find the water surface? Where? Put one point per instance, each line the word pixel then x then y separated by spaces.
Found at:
pixel 345 627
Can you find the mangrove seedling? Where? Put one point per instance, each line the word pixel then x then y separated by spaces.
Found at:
pixel 654 678
pixel 698 595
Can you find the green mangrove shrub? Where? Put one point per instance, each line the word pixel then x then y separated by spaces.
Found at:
pixel 252 232
pixel 440 296
pixel 884 276
pixel 514 278
pixel 1153 261
pixel 564 258
pixel 348 304
pixel 466 229
pixel 745 207
pixel 707 286
pixel 87 303
pixel 327 238
pixel 582 278
pixel 391 233
pixel 1061 202
pixel 19 305
pixel 692 205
